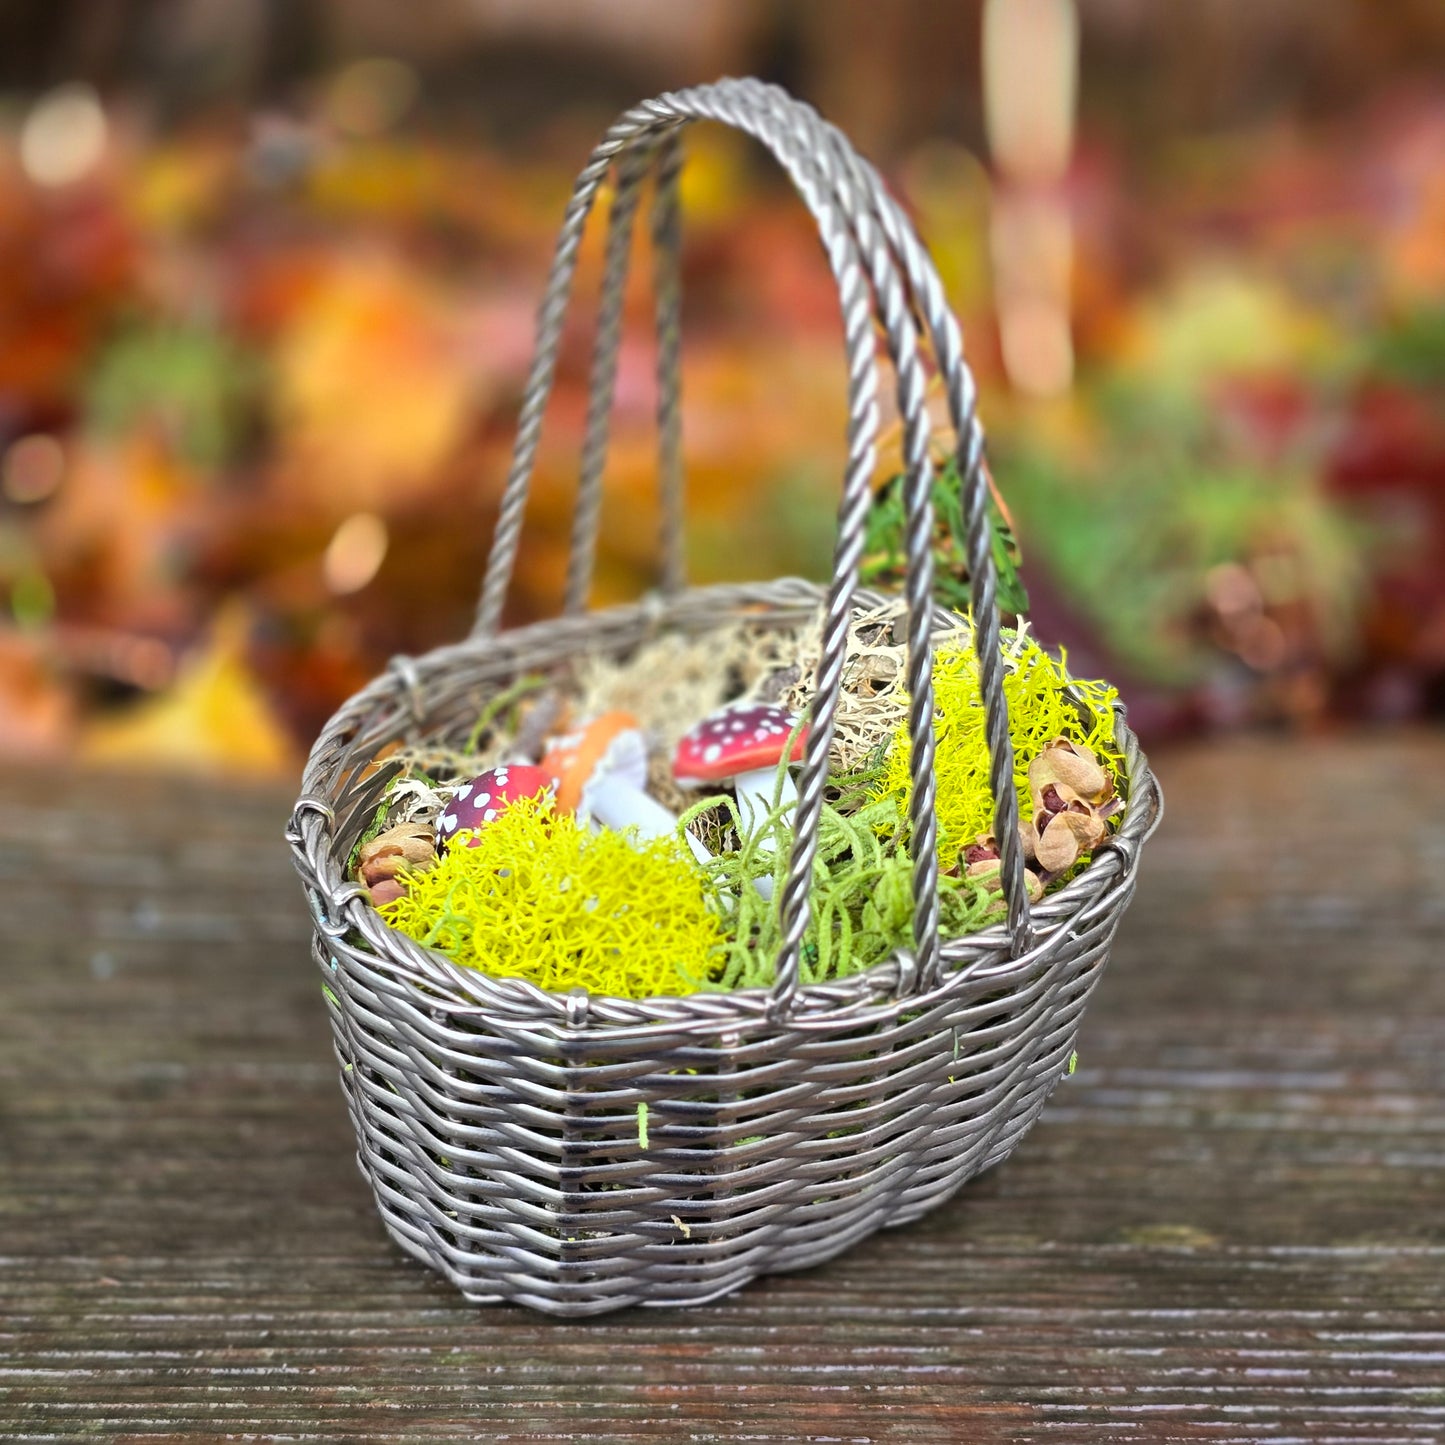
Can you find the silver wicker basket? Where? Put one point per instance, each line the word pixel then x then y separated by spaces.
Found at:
pixel 578 1153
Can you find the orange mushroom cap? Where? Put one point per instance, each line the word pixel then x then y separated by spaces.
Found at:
pixel 572 757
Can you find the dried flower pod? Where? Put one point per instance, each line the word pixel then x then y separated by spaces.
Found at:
pixel 1074 772
pixel 1056 798
pixel 991 868
pixel 985 846
pixel 406 846
pixel 1067 837
pixel 987 873
pixel 1073 794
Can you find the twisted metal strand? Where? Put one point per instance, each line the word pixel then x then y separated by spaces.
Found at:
pixel 640 122
pixel 962 394
pixel 784 131
pixel 586 516
pixel 667 282
pixel 851 189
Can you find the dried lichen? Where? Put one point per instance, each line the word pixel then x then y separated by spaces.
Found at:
pixel 1037 688
pixel 528 705
pixel 872 699
pixel 542 898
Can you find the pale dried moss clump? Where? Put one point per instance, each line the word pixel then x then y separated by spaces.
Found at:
pixel 542 898
pixel 1040 710
pixel 669 684
pixel 872 699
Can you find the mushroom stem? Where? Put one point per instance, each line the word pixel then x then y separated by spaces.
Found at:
pixel 746 743
pixel 613 802
pixel 755 803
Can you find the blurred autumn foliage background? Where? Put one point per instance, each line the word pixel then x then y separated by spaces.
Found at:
pixel 268 271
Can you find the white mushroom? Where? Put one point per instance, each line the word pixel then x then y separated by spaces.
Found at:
pixel 601 772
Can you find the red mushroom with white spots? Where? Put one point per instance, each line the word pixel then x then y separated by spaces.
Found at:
pixel 479 802
pixel 746 743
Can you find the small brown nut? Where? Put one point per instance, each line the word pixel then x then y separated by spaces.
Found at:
pixel 409 845
pixel 1073 769
pixel 387 891
pixel 1066 838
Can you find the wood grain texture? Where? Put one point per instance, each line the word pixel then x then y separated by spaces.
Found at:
pixel 1228 1226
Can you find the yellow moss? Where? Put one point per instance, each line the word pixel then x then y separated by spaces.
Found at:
pixel 542 898
pixel 1038 711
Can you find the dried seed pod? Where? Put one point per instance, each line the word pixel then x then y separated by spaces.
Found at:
pixel 379 868
pixel 408 845
pixel 987 873
pixel 985 846
pixel 1054 798
pixel 1073 769
pixel 1067 837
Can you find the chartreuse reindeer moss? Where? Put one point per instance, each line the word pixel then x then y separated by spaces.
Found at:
pixel 543 898
pixel 1039 710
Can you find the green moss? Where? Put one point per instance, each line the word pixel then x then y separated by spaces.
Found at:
pixel 1039 710
pixel 373 829
pixel 861 897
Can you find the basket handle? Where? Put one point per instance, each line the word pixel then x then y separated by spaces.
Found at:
pixel 632 168
pixel 882 270
pixel 632 162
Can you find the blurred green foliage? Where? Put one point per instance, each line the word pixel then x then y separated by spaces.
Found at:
pixel 194 382
pixel 1132 523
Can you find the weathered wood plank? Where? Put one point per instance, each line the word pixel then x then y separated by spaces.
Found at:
pixel 1229 1225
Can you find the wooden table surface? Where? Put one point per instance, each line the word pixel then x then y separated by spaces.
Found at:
pixel 1229 1225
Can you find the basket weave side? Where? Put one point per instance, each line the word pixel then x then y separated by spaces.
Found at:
pixel 499 1126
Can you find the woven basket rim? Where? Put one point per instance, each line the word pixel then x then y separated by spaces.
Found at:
pixel 464 992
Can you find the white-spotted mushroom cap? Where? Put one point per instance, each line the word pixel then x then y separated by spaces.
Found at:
pixel 737 740
pixel 479 802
